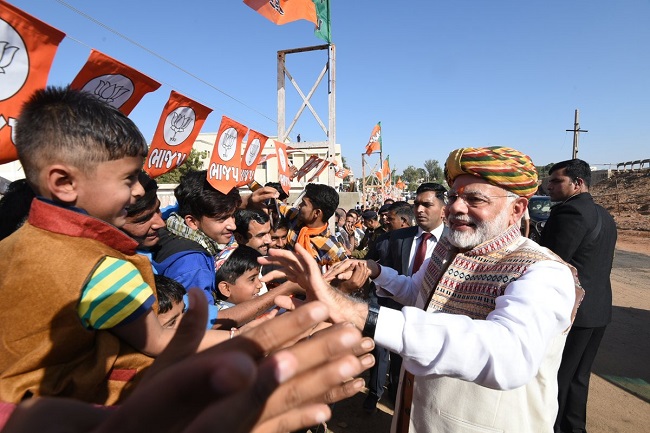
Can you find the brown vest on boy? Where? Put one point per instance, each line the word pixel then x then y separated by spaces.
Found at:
pixel 44 347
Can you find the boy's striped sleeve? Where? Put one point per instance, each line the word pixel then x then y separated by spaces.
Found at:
pixel 115 294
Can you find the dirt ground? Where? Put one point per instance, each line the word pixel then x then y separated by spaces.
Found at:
pixel 624 353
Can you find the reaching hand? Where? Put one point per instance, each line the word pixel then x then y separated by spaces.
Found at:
pixel 240 385
pixel 303 269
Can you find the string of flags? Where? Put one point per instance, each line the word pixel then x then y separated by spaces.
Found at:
pixel 28 47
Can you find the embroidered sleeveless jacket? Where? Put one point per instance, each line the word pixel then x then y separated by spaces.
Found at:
pixel 468 283
pixel 44 347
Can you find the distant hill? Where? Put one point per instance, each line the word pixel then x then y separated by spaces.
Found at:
pixel 626 195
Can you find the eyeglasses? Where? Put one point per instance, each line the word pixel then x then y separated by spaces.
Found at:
pixel 474 199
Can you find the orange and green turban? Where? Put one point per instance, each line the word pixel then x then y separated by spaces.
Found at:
pixel 501 166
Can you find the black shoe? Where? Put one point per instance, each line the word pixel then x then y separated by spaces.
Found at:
pixel 370 404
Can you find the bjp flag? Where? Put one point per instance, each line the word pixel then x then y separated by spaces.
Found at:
pixel 284 11
pixel 374 143
pixel 225 163
pixel 178 127
pixel 252 154
pixel 320 170
pixel 308 166
pixel 284 168
pixel 113 82
pixel 27 49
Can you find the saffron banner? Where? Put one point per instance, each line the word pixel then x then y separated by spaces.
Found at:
pixel 27 49
pixel 179 125
pixel 284 168
pixel 284 11
pixel 308 166
pixel 252 155
pixel 113 82
pixel 322 168
pixel 374 143
pixel 225 163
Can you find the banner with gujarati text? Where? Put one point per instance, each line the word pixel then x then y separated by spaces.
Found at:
pixel 179 125
pixel 284 168
pixel 27 49
pixel 225 163
pixel 251 158
pixel 113 82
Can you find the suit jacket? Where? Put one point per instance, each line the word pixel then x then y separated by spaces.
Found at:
pixel 400 244
pixel 570 232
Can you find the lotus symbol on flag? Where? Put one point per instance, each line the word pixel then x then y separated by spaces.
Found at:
pixel 179 123
pixel 253 150
pixel 7 53
pixel 227 144
pixel 275 4
pixel 109 92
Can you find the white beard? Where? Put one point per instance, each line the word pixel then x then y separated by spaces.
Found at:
pixel 483 232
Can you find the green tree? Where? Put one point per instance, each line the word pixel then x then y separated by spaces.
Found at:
pixel 542 170
pixel 410 174
pixel 434 171
pixel 193 162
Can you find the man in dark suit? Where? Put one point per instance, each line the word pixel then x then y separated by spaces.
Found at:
pixel 402 252
pixel 583 234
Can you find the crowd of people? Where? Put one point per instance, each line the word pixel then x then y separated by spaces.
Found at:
pixel 235 310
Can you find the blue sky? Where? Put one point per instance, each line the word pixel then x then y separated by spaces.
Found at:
pixel 438 74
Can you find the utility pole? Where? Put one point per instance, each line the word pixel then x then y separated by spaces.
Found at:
pixel 576 131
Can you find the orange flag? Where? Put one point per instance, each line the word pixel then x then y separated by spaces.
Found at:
pixel 320 170
pixel 374 143
pixel 342 172
pixel 223 171
pixel 266 157
pixel 284 168
pixel 308 166
pixel 178 127
pixel 27 48
pixel 252 154
pixel 284 11
pixel 113 82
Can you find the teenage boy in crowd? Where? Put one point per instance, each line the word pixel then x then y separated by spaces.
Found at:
pixel 186 261
pixel 308 224
pixel 253 228
pixel 76 291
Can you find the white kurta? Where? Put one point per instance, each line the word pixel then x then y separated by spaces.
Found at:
pixel 460 362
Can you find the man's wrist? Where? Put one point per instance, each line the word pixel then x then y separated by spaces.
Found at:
pixel 370 326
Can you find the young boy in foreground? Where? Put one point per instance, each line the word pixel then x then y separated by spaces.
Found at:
pixel 238 277
pixel 79 306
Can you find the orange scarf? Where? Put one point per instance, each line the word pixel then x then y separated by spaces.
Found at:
pixel 305 233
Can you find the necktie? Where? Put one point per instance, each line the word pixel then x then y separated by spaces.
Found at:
pixel 421 252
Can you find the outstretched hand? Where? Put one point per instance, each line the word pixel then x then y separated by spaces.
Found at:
pixel 244 384
pixel 300 267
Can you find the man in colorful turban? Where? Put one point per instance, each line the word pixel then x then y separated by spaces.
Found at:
pixel 483 327
pixel 500 166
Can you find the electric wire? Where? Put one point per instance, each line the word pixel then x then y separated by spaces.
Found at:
pixel 160 57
